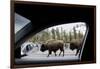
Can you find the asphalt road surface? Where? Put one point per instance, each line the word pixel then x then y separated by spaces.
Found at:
pixel 36 56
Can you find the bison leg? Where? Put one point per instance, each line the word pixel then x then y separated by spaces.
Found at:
pixel 55 54
pixel 77 52
pixel 60 53
pixel 49 53
pixel 63 52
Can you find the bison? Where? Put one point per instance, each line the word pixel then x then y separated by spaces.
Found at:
pixel 53 46
pixel 76 45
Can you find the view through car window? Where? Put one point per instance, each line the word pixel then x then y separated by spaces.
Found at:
pixel 59 42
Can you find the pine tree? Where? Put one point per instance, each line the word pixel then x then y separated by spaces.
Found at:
pixel 62 34
pixel 57 33
pixel 80 35
pixel 65 36
pixel 53 33
pixel 75 34
pixel 70 36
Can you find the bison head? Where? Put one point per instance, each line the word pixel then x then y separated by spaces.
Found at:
pixel 43 48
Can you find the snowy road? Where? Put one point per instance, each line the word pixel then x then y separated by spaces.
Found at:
pixel 35 55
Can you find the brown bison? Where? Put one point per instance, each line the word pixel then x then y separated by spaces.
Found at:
pixel 53 46
pixel 76 45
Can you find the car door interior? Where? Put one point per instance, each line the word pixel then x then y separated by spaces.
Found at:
pixel 45 15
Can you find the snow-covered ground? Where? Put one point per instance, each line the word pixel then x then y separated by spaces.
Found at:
pixel 35 55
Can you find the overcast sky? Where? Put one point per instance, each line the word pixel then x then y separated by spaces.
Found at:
pixel 69 27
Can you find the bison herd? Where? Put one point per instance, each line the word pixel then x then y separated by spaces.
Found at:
pixel 54 45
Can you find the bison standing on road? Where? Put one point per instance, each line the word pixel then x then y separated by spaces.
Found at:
pixel 76 45
pixel 53 46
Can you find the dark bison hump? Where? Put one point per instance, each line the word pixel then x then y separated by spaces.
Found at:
pixel 74 46
pixel 55 45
